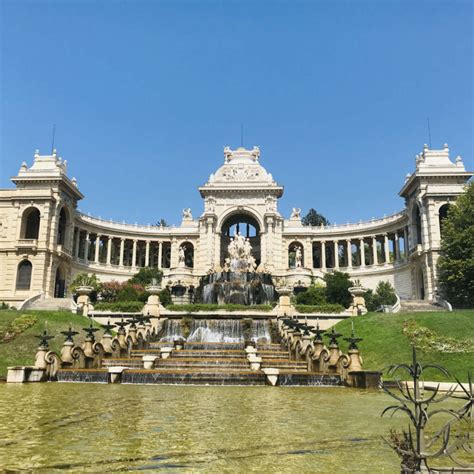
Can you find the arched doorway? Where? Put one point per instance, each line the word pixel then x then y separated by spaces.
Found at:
pixel 246 225
pixel 420 284
pixel 60 284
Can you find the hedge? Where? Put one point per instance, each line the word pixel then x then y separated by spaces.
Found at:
pixel 322 308
pixel 193 308
pixel 125 306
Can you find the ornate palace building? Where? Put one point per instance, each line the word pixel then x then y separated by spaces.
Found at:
pixel 45 240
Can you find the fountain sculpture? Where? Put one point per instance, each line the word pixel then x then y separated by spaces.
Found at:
pixel 239 281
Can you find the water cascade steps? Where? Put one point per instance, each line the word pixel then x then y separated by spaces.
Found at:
pixel 203 363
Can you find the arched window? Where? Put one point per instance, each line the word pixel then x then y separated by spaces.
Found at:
pixel 443 213
pixel 30 224
pixel 188 254
pixel 416 225
pixel 23 279
pixel 62 227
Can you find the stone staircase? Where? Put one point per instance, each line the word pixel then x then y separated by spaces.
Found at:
pixel 413 306
pixel 216 363
pixel 52 304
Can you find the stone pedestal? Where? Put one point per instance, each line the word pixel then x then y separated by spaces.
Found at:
pixel 166 352
pixel 271 375
pixel 149 362
pixel 255 361
pixel 358 302
pixel 116 374
pixel 152 307
pixel 285 308
pixel 83 301
pixel 22 374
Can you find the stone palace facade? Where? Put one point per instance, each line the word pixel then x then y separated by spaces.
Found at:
pixel 45 240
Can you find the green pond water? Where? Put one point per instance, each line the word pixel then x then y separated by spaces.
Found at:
pixel 105 428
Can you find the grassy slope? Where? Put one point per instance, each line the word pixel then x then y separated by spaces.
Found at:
pixel 385 344
pixel 22 349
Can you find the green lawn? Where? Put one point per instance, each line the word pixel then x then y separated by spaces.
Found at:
pixel 22 349
pixel 384 342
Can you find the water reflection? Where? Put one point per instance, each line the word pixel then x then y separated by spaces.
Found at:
pixel 86 428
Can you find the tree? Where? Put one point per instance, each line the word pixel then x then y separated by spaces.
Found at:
pixel 146 275
pixel 456 263
pixel 313 218
pixel 315 295
pixel 337 288
pixel 161 223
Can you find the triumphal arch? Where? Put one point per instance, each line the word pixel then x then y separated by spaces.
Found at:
pixel 45 240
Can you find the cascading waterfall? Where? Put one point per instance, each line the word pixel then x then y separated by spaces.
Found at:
pixel 172 330
pixel 216 330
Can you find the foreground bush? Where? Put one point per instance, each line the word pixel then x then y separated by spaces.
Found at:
pixel 193 308
pixel 117 306
pixel 322 308
pixel 384 296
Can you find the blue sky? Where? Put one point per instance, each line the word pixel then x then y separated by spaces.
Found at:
pixel 145 95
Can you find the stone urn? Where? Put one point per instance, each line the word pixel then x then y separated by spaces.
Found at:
pixel 285 308
pixel 358 302
pixel 83 300
pixel 152 307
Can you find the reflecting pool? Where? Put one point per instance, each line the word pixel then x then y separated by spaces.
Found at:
pixel 100 428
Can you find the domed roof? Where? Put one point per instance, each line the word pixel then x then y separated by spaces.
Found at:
pixel 241 167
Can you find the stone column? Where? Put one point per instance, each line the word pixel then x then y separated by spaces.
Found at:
pixel 397 247
pixel 160 254
pixel 76 246
pixel 386 248
pixel 336 254
pixel 323 255
pixel 375 260
pixel 308 256
pixel 109 250
pixel 97 248
pixel 76 243
pixel 362 252
pixel 147 254
pixel 122 249
pixel 134 253
pixel 349 253
pixel 86 247
pixel 405 243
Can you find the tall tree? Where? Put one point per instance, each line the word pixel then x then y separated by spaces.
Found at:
pixel 313 218
pixel 456 264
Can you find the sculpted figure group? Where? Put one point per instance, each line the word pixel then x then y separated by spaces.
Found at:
pixel 240 254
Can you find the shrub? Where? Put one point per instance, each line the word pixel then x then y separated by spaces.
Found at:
pixel 165 297
pixel 118 306
pixel 193 308
pixel 146 276
pixel 132 292
pixel 314 295
pixel 323 308
pixel 17 326
pixel 337 288
pixel 110 290
pixel 384 295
